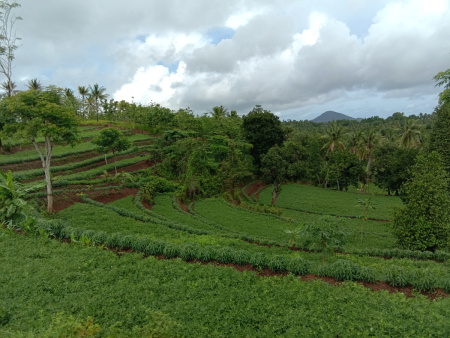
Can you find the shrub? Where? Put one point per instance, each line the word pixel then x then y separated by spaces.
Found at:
pixel 258 260
pixel 424 222
pixel 343 269
pixel 423 280
pixel 277 263
pixel 395 276
pixel 298 266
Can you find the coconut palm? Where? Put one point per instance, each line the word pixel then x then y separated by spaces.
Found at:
pixel 98 94
pixel 334 137
pixel 34 84
pixel 9 88
pixel 411 135
pixel 370 139
pixel 219 111
pixel 84 92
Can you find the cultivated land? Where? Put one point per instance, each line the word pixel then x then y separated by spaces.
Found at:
pixel 110 264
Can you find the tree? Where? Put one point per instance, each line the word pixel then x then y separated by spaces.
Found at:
pixel 34 84
pixel 344 169
pixel 443 79
pixel 84 92
pixel 274 170
pixel 263 130
pixel 440 133
pixel 391 167
pixel 411 135
pixel 334 137
pixel 370 139
pixel 42 114
pixel 98 94
pixel 111 139
pixel 424 221
pixel 8 42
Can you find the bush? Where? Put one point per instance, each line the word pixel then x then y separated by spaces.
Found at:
pixel 424 222
pixel 277 263
pixel 298 266
pixel 343 269
pixel 395 276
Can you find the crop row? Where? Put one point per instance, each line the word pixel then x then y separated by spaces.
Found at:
pixel 151 297
pixel 27 174
pixel 59 151
pixel 342 270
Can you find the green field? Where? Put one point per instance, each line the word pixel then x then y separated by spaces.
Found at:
pixel 169 277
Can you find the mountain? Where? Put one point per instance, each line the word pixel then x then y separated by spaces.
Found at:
pixel 329 116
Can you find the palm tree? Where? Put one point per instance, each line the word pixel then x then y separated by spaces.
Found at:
pixel 98 94
pixel 411 135
pixel 219 111
pixel 84 92
pixel 370 139
pixel 34 84
pixel 334 137
pixel 9 88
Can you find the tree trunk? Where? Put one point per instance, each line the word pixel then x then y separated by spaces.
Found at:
pixel 46 160
pixel 275 192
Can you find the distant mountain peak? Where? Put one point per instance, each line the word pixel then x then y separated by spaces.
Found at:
pixel 330 115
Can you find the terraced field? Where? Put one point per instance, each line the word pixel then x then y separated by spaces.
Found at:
pixel 98 209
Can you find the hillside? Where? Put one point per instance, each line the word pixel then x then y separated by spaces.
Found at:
pixel 330 115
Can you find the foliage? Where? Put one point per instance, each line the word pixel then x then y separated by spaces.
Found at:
pixel 42 113
pixel 155 184
pixel 440 133
pixel 343 170
pixel 274 170
pixel 111 139
pixel 263 130
pixel 424 222
pixel 391 167
pixel 327 235
pixel 14 210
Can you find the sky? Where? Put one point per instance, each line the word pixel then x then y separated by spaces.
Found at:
pixel 296 58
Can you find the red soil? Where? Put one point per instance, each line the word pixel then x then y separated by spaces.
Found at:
pixel 254 189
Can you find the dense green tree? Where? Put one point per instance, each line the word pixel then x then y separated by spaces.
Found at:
pixel 111 139
pixel 42 114
pixel 160 118
pixel 263 130
pixel 443 79
pixel 440 133
pixel 391 167
pixel 424 221
pixel 344 169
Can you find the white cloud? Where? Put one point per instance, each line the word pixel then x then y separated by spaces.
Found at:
pixel 286 55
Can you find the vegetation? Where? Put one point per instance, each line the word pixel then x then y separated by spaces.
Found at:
pixel 183 195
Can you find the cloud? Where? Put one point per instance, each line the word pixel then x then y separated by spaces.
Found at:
pixel 288 56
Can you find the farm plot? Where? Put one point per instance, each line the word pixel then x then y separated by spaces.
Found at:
pixel 244 221
pixel 131 296
pixel 329 202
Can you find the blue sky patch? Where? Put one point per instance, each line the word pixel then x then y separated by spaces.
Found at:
pixel 219 33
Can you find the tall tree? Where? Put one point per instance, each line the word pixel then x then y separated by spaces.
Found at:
pixel 370 139
pixel 34 84
pixel 424 222
pixel 440 133
pixel 42 114
pixel 84 92
pixel 8 42
pixel 411 135
pixel 98 94
pixel 263 130
pixel 334 137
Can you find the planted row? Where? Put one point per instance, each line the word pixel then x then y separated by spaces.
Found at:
pixel 438 255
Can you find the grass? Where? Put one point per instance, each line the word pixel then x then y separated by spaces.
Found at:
pixel 51 288
pixel 325 201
